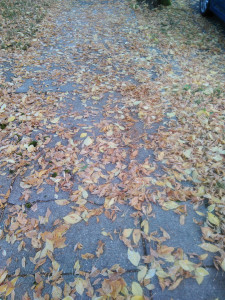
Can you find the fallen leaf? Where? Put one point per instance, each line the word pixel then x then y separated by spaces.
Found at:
pixel 209 247
pixel 127 232
pixel 136 289
pixel 84 134
pixel 142 273
pixel 136 236
pixel 100 248
pixel 56 292
pixel 213 219
pixel 62 202
pixel 175 284
pixel 11 119
pixel 170 205
pixel 134 257
pixel 72 218
pixel 88 141
pixel 88 256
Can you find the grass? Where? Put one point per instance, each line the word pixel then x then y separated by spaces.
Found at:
pixel 19 21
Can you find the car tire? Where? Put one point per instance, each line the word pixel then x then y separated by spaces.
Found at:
pixel 204 7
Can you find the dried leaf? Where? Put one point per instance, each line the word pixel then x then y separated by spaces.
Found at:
pixel 56 292
pixel 62 202
pixel 127 232
pixel 134 257
pixel 175 284
pixel 142 272
pixel 187 265
pixel 136 236
pixel 88 256
pixel 11 119
pixel 84 134
pixel 136 289
pixel 88 141
pixel 213 219
pixel 151 273
pixel 72 218
pixel 170 205
pixel 223 264
pixel 209 247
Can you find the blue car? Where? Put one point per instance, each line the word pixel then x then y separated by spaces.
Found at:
pixel 215 6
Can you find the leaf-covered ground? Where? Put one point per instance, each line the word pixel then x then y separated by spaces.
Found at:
pixel 112 155
pixel 19 21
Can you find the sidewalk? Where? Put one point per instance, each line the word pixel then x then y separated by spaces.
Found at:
pixel 84 173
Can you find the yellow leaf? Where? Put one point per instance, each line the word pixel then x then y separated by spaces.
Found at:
pixel 85 194
pixel 9 291
pixel 134 257
pixel 55 265
pixel 104 233
pixel 88 141
pixel 3 288
pixel 72 218
pixel 146 226
pixel 150 287
pixel 187 153
pixel 77 266
pixel 162 274
pixel 56 292
pixel 211 207
pixel 170 205
pixel 11 119
pixel 199 279
pixel 136 235
pixel 199 213
pixel 68 298
pixel 201 191
pixel 3 276
pixel 49 245
pixel 31 148
pixel 84 134
pixel 12 286
pixel 209 247
pixel 137 298
pixel 79 286
pixel 150 274
pixel 75 170
pixel 203 256
pixel 13 282
pixel 213 219
pixel 203 112
pixel 175 284
pixel 223 264
pixel 62 202
pixel 161 155
pixel 127 232
pixel 136 289
pixel 201 272
pixel 186 265
pixel 142 273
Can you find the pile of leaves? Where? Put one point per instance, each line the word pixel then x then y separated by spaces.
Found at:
pixel 19 21
pixel 194 143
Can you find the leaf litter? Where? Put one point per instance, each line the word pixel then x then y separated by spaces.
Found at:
pixel 178 116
